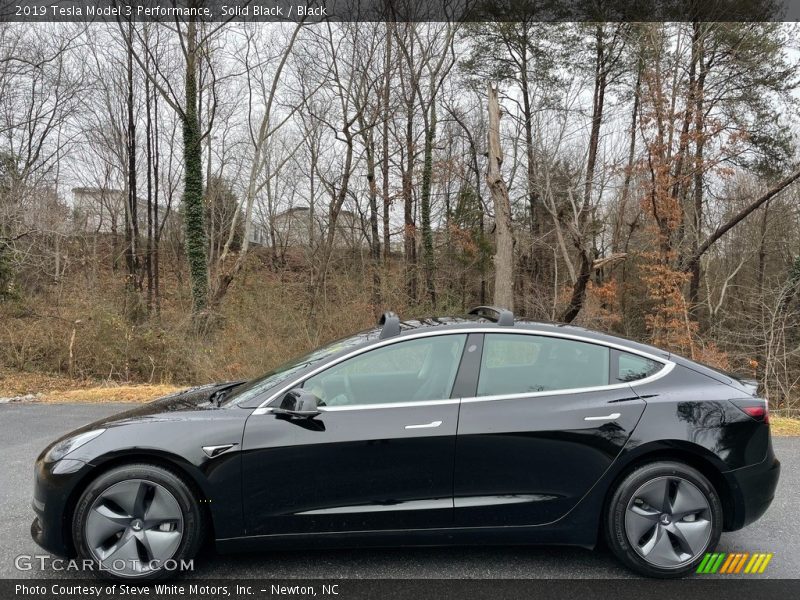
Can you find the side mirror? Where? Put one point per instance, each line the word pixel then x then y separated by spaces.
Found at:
pixel 298 403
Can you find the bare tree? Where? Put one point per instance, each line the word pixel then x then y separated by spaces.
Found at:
pixel 259 138
pixel 504 232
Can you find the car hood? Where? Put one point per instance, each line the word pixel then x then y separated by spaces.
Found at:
pixel 174 406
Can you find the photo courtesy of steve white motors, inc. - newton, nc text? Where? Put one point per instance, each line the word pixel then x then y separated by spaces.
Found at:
pixel 399 299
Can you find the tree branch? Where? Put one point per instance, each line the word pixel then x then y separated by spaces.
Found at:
pixel 739 217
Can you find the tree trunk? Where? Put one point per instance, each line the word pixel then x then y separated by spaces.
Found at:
pixel 529 150
pixel 385 141
pixel 537 257
pixel 619 221
pixel 760 274
pixel 582 242
pixel 681 180
pixel 699 133
pixel 504 232
pixel 156 226
pixel 149 252
pixel 337 201
pixel 374 242
pixel 483 285
pixel 131 212
pixel 193 180
pixel 762 251
pixel 410 228
pixel 425 207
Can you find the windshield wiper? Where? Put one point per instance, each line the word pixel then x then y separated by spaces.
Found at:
pixel 217 397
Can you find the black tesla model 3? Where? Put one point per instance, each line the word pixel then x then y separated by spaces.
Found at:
pixel 481 429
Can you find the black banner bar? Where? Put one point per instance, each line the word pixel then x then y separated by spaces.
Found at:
pixel 728 588
pixel 315 11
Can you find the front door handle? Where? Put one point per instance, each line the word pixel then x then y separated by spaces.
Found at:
pixel 430 425
pixel 611 417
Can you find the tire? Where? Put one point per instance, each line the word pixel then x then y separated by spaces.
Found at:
pixel 662 518
pixel 134 520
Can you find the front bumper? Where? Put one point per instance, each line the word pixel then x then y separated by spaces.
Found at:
pixel 752 490
pixel 53 486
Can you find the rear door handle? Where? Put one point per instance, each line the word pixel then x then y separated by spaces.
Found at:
pixel 611 417
pixel 430 425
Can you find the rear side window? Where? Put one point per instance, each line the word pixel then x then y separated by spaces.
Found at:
pixel 518 364
pixel 631 367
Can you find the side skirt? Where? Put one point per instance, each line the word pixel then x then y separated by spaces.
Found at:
pixel 527 535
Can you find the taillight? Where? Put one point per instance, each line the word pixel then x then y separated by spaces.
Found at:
pixel 757 409
pixel 759 413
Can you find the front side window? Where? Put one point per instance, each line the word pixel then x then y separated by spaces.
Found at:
pixel 278 375
pixel 518 364
pixel 415 370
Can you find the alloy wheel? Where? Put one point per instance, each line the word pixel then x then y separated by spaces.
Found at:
pixel 133 527
pixel 668 522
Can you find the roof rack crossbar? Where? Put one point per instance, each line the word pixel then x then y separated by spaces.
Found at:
pixel 390 324
pixel 501 316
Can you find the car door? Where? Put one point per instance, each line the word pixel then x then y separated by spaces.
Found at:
pixel 378 456
pixel 543 426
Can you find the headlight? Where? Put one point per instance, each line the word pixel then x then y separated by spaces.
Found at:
pixel 64 447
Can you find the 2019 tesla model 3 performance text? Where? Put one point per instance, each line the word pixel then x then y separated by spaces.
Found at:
pixel 476 429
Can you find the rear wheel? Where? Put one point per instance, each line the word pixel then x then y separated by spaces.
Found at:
pixel 137 521
pixel 663 517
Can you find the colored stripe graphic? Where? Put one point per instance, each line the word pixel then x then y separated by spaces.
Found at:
pixel 757 566
pixel 740 564
pixel 712 564
pixel 767 558
pixel 752 563
pixel 721 562
pixel 727 564
pixel 701 568
pixel 718 563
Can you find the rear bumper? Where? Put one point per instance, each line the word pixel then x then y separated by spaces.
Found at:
pixel 752 490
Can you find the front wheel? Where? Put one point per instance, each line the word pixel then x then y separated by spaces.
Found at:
pixel 662 519
pixel 137 522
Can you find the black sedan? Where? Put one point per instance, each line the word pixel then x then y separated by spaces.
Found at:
pixel 481 429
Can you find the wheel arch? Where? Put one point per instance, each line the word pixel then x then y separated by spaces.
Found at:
pixel 173 463
pixel 694 455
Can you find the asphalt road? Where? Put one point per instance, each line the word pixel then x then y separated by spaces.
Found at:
pixel 26 428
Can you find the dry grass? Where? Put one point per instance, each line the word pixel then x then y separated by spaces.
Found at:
pixel 54 388
pixel 120 393
pixel 21 384
pixel 97 333
pixel 784 426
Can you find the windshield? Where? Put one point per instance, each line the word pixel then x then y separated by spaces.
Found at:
pixel 278 375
